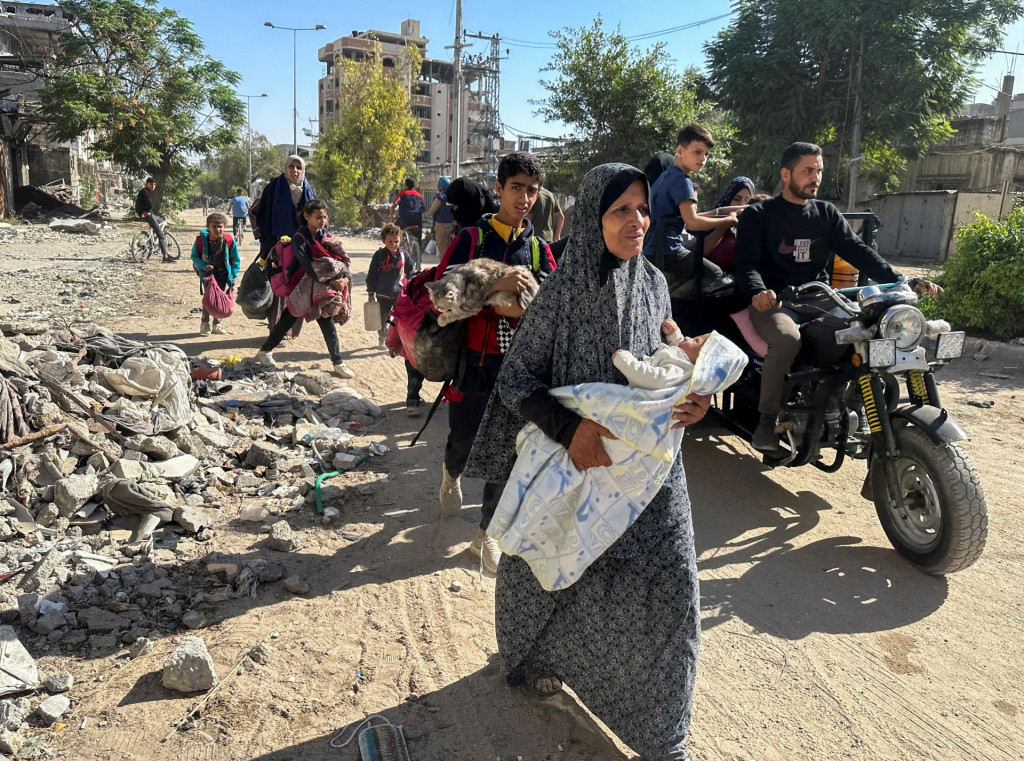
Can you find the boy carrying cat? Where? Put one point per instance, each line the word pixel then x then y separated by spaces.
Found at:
pixel 390 268
pixel 505 236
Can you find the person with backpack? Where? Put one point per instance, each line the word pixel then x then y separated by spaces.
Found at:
pixel 441 217
pixel 304 246
pixel 215 253
pixel 506 236
pixel 409 204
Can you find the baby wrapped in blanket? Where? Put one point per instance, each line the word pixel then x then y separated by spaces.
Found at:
pixel 560 519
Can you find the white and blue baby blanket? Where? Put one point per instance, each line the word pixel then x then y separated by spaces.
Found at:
pixel 560 519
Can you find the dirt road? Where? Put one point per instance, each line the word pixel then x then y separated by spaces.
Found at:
pixel 819 641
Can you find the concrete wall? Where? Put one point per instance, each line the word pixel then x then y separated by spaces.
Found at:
pixel 923 225
pixel 914 225
pixel 984 169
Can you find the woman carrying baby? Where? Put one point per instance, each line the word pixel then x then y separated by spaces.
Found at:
pixel 625 635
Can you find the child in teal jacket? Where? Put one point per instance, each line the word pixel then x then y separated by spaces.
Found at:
pixel 215 253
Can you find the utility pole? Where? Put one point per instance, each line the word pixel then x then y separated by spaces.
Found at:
pixel 457 91
pixel 855 159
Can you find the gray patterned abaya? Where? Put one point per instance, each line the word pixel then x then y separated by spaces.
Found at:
pixel 625 636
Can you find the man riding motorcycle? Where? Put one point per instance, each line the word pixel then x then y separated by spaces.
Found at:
pixel 787 241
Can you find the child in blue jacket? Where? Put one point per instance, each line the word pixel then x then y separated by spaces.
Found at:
pixel 215 253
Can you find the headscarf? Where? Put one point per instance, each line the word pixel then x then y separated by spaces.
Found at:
pixel 735 186
pixel 575 323
pixel 472 199
pixel 295 189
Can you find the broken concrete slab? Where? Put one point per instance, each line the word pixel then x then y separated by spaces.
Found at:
pixel 62 681
pixel 128 469
pixel 193 518
pixel 72 492
pixel 282 538
pixel 51 709
pixel 13 713
pixel 215 438
pixel 18 672
pixel 100 621
pixel 189 668
pixel 174 469
pixel 265 454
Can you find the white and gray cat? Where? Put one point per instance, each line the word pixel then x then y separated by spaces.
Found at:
pixel 464 291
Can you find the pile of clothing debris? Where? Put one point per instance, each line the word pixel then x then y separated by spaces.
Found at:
pixel 115 467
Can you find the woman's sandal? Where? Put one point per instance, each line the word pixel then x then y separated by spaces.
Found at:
pixel 531 686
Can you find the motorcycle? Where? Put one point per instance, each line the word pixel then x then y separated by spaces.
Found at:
pixel 843 401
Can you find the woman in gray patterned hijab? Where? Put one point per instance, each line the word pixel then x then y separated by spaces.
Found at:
pixel 625 636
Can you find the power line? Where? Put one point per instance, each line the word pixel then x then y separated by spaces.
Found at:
pixel 634 38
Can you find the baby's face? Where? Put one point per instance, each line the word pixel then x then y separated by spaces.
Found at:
pixel 691 346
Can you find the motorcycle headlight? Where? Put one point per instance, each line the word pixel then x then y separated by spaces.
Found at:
pixel 905 325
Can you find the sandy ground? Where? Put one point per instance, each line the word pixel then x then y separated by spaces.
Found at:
pixel 819 641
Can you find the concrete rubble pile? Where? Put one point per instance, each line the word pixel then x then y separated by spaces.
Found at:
pixel 116 467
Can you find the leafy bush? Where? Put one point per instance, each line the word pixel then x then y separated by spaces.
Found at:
pixel 984 279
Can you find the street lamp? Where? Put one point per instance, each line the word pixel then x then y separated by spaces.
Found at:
pixel 295 103
pixel 248 128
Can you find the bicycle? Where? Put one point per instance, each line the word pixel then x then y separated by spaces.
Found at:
pixel 145 243
pixel 238 225
pixel 411 244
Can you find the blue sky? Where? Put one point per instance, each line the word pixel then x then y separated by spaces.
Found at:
pixel 235 34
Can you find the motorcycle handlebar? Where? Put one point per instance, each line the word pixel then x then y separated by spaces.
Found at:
pixel 791 293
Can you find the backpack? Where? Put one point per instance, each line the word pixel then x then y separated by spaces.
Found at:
pixel 414 334
pixel 228 242
pixel 410 205
pixel 281 260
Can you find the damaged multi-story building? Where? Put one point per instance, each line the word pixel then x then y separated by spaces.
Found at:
pixel 433 98
pixel 29 42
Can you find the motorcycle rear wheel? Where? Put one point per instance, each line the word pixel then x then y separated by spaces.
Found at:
pixel 946 522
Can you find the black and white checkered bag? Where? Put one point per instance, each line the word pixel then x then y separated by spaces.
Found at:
pixel 505 334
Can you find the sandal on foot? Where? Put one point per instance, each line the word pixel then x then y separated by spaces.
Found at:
pixel 531 687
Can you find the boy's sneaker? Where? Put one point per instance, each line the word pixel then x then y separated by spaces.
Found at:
pixel 342 370
pixel 265 358
pixel 218 330
pixel 487 549
pixel 412 407
pixel 204 328
pixel 451 493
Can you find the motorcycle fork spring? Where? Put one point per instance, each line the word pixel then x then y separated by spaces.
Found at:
pixel 870 406
pixel 918 388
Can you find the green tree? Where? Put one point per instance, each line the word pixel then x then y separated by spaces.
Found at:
pixel 231 166
pixel 620 103
pixel 375 144
pixel 138 75
pixel 787 70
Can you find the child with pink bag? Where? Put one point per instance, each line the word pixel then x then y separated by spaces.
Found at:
pixel 216 262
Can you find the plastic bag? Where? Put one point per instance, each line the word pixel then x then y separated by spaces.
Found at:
pixel 255 296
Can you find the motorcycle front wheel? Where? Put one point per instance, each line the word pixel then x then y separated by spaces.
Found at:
pixel 945 524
